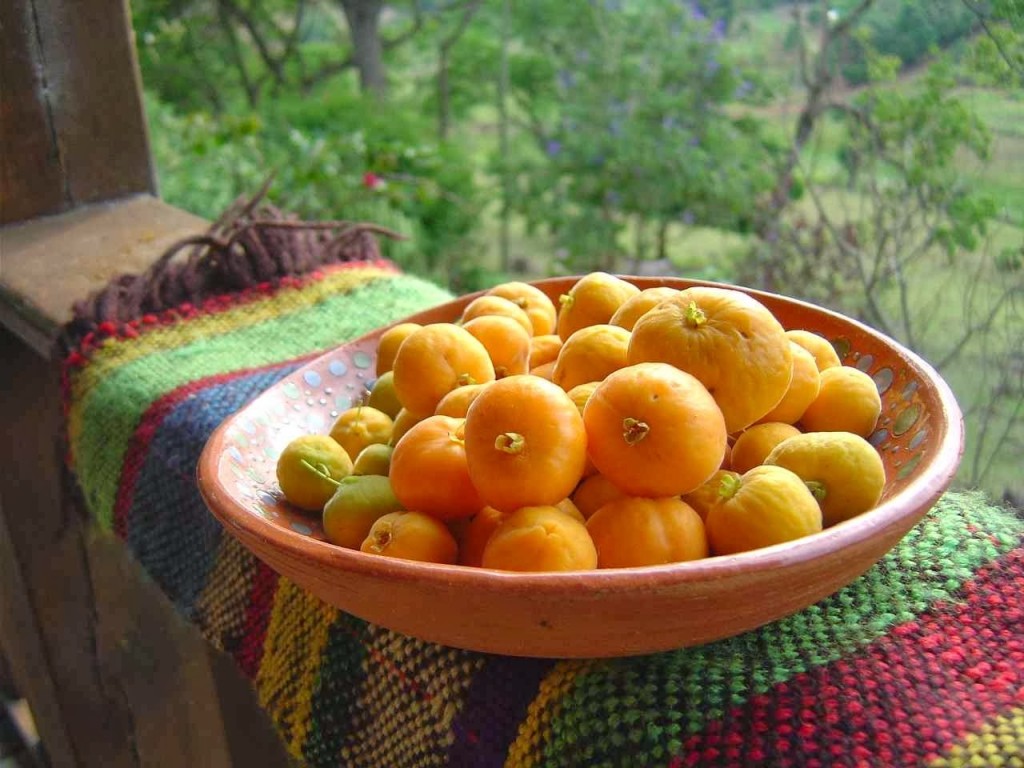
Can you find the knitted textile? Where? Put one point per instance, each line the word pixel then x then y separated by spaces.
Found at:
pixel 918 662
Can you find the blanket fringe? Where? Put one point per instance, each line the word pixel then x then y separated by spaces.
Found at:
pixel 252 243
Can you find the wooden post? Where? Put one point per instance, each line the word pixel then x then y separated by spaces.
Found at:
pixel 73 128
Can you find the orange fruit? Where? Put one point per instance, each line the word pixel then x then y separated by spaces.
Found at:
pixel 481 527
pixel 765 506
pixel 728 340
pixel 803 388
pixel 594 492
pixel 411 536
pixel 389 342
pixel 429 472
pixel 309 469
pixel 843 471
pixel 590 354
pixel 580 394
pixel 533 301
pixel 632 532
pixel 654 430
pixel 544 371
pixel 638 306
pixel 592 300
pixel 709 494
pixel 356 428
pixel 540 538
pixel 456 403
pixel 821 349
pixel 756 442
pixel 568 506
pixel 525 443
pixel 848 401
pixel 496 305
pixel 544 349
pixel 507 344
pixel 435 360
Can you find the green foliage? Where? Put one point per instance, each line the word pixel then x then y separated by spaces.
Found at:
pixel 626 112
pixel 363 161
pixel 909 31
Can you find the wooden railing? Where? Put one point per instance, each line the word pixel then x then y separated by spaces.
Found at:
pixel 113 675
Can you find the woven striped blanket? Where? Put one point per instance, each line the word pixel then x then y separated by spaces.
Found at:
pixel 919 662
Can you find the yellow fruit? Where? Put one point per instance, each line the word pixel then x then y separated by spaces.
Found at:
pixel 821 350
pixel 533 301
pixel 592 300
pixel 765 506
pixel 638 306
pixel 389 342
pixel 309 469
pixel 756 442
pixel 803 388
pixel 709 494
pixel 728 340
pixel 590 354
pixel 848 401
pixel 842 470
pixel 358 427
pixel 435 360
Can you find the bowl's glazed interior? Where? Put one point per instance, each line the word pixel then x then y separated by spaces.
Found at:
pixel 919 436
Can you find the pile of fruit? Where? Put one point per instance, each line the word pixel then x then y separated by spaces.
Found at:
pixel 621 428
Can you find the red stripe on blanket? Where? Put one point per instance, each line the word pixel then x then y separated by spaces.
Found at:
pixel 257 619
pixel 905 699
pixel 149 425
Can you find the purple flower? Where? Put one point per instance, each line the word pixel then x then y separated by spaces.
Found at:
pixel 712 67
pixel 566 79
pixel 696 12
pixel 553 148
pixel 743 89
pixel 694 141
pixel 668 122
pixel 718 29
pixel 688 217
pixel 612 197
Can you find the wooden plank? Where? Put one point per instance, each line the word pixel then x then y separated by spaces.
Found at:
pixel 87 247
pixel 46 538
pixel 76 133
pixel 22 649
pixel 30 177
pixel 158 661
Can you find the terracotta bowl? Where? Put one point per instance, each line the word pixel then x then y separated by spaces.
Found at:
pixel 585 614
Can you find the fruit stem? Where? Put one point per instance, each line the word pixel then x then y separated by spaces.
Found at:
pixel 321 471
pixel 464 379
pixel 510 442
pixel 817 490
pixel 695 316
pixel 728 487
pixel 565 300
pixel 634 430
